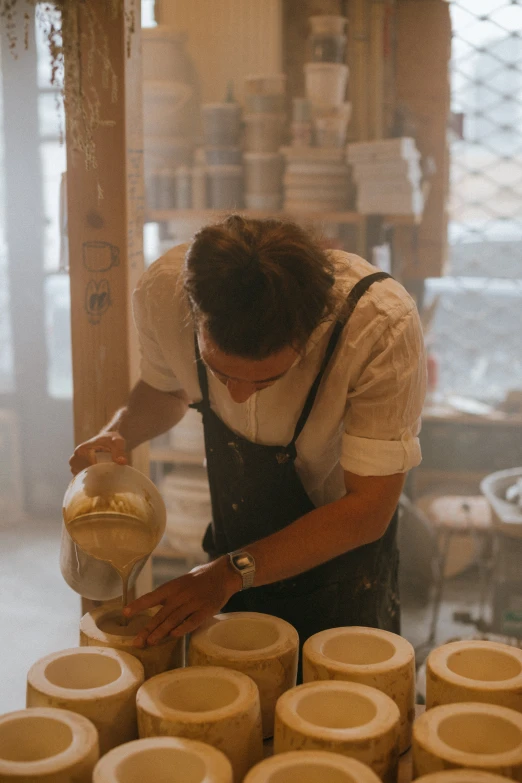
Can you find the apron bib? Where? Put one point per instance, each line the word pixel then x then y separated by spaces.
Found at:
pixel 256 490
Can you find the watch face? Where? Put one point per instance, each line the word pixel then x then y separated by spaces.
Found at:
pixel 242 561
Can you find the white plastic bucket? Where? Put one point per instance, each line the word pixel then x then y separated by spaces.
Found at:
pixel 327 24
pixel 223 156
pixel 326 82
pixel 264 201
pixel 164 108
pixel 163 53
pixel 263 132
pixel 302 134
pixel 266 84
pixel 330 131
pixel 263 172
pixel 225 187
pixel 269 104
pixel 221 124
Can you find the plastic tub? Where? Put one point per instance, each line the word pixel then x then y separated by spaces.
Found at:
pixel 164 56
pixel 164 108
pixel 326 82
pixel 263 172
pixel 267 84
pixel 270 104
pixel 328 24
pixel 301 110
pixel 264 201
pixel 327 48
pixel 302 134
pixel 225 187
pixel 221 124
pixel 263 132
pixel 330 131
pixel 219 156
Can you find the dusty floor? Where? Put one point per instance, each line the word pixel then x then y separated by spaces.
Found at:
pixel 40 614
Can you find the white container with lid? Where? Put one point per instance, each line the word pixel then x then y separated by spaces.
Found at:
pixel 266 84
pixel 164 108
pixel 225 187
pixel 264 132
pixel 221 124
pixel 326 82
pixel 263 172
pixel 326 24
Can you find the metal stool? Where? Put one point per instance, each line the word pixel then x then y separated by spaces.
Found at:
pixel 457 515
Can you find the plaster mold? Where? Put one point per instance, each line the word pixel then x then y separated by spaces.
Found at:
pixel 102 628
pixel 463 776
pixel 55 746
pixel 343 717
pixel 96 682
pixel 369 656
pixel 264 647
pixel 311 766
pixel 474 671
pixel 469 735
pixel 163 760
pixel 208 703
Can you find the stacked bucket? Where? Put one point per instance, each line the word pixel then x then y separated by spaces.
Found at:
pixel 264 128
pixel 317 177
pixel 170 102
pixel 223 166
pixel 388 176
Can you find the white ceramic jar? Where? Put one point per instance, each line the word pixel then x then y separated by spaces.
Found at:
pixel 344 717
pixel 207 703
pixel 163 759
pixel 48 745
pixel 370 656
pixel 264 647
pixel 102 628
pixel 96 682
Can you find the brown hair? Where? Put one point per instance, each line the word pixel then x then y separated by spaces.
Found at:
pixel 258 285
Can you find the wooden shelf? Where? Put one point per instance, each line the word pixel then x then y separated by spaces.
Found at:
pixel 347 218
pixel 175 456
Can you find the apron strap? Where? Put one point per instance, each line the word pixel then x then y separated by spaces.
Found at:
pixel 202 377
pixel 353 298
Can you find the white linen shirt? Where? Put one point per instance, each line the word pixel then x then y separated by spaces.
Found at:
pixel 366 417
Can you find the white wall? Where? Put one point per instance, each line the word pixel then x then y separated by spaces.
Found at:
pixel 228 39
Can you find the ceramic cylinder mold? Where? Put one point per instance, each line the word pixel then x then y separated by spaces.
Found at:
pixel 474 671
pixel 311 766
pixel 468 735
pixel 344 717
pixel 102 628
pixel 463 776
pixel 208 703
pixel 369 656
pixel 52 745
pixel 264 647
pixel 97 682
pixel 163 760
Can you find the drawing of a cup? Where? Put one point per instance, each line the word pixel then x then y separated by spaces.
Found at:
pixel 100 256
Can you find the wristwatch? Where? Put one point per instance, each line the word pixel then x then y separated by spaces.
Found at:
pixel 245 565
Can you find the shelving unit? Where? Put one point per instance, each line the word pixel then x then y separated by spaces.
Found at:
pixel 344 218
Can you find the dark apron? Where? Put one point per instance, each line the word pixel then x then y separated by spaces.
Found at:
pixel 255 491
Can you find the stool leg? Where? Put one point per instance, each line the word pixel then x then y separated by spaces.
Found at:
pixel 439 587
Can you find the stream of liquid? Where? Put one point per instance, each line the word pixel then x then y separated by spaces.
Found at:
pixel 118 539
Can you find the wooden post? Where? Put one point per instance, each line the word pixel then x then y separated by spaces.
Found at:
pixel 105 215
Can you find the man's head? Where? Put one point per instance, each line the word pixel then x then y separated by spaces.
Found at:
pixel 258 289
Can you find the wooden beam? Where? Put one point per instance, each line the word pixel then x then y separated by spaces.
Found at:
pixel 105 215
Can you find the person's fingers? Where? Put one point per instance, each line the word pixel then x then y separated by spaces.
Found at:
pixel 141 637
pixel 147 601
pixel 175 618
pixel 111 442
pixel 77 464
pixel 190 624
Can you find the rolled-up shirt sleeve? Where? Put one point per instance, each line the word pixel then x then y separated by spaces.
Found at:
pixel 154 369
pixel 382 419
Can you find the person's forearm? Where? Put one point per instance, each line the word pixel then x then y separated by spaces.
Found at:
pixel 148 413
pixel 324 533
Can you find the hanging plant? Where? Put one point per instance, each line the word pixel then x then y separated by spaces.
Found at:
pixel 71 27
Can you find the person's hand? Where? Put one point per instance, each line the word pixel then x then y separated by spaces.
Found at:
pixel 85 454
pixel 187 601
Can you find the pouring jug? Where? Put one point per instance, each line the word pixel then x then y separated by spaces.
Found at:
pixel 98 491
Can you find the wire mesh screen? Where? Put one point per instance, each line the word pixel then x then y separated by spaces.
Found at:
pixel 476 332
